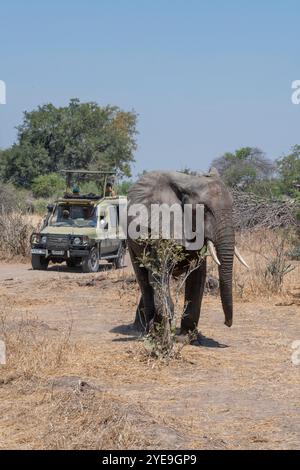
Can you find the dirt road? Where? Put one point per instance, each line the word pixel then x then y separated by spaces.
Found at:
pixel 238 389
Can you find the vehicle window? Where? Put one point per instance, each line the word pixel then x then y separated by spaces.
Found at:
pixel 67 215
pixel 113 216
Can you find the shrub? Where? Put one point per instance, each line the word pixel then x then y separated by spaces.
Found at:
pixel 8 198
pixel 15 231
pixel 40 206
pixel 123 187
pixel 294 254
pixel 160 257
pixel 45 186
pixel 271 273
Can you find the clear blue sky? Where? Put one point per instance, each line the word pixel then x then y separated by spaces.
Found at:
pixel 204 76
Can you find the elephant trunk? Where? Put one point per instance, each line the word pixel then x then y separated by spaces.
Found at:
pixel 225 242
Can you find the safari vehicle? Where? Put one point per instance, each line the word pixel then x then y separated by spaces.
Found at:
pixel 80 229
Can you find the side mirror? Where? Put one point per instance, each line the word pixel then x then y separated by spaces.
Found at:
pixel 50 208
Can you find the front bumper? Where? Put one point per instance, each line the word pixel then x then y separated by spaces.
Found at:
pixel 65 254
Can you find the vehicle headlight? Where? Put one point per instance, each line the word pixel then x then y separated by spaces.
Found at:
pixel 85 240
pixel 77 241
pixel 44 240
pixel 35 239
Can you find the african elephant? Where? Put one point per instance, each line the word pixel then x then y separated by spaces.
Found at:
pixel 219 237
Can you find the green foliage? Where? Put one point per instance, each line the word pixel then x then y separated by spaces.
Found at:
pixel 47 186
pixel 40 206
pixel 24 162
pixel 80 135
pixel 89 187
pixel 289 172
pixel 267 188
pixel 123 187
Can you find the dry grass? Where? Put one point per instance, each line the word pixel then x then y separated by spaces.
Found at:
pixel 91 419
pixel 264 250
pixel 56 410
pixel 34 350
pixel 15 231
pixel 60 393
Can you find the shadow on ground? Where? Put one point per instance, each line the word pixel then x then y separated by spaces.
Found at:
pixel 130 333
pixel 63 268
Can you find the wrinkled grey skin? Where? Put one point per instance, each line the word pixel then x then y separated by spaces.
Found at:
pixel 171 188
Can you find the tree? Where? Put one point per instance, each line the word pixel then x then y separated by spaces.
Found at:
pixel 123 187
pixel 289 172
pixel 45 186
pixel 81 135
pixel 244 167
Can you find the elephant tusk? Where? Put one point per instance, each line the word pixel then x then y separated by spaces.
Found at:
pixel 212 251
pixel 240 258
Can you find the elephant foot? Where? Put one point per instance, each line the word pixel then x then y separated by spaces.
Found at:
pixel 137 326
pixel 188 337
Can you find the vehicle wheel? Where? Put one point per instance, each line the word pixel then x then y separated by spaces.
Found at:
pixel 73 262
pixel 119 261
pixel 90 263
pixel 39 262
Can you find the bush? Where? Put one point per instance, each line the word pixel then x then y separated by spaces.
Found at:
pixel 45 186
pixel 15 231
pixel 13 199
pixel 295 253
pixel 160 258
pixel 123 187
pixel 40 206
pixel 8 198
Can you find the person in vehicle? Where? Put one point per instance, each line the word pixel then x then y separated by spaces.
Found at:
pixel 109 190
pixel 66 214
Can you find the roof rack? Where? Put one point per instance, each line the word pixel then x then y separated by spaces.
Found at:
pixel 92 174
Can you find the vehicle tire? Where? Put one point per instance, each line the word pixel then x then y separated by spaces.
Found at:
pixel 90 263
pixel 39 262
pixel 119 261
pixel 73 262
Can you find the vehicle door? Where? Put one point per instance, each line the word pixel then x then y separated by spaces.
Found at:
pixel 113 228
pixel 103 230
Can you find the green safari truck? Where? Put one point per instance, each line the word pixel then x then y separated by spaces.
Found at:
pixel 81 230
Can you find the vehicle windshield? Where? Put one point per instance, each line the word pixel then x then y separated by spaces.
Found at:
pixel 67 215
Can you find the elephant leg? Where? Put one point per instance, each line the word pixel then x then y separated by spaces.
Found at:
pixel 146 310
pixel 194 289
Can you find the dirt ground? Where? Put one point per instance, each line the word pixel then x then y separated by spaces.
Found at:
pixel 238 389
